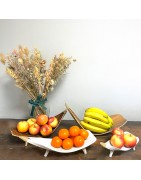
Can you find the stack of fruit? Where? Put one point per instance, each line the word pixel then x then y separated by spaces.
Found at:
pixel 120 139
pixel 43 125
pixel 68 138
pixel 96 120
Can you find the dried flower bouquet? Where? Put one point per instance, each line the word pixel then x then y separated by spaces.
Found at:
pixel 28 69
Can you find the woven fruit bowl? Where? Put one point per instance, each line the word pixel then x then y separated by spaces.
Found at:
pixel 118 121
pixel 15 132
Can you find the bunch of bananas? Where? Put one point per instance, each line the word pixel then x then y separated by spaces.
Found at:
pixel 96 120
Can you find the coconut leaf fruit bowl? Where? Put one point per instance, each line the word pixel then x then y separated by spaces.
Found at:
pixel 16 133
pixel 118 121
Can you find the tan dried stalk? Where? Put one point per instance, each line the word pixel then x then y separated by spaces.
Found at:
pixel 28 69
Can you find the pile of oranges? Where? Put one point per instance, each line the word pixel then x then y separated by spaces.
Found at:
pixel 68 138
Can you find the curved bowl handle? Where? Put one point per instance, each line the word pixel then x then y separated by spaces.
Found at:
pixel 74 116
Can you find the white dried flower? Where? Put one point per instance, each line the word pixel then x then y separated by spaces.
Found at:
pixel 52 88
pixel 51 82
pixel 20 61
pixel 38 55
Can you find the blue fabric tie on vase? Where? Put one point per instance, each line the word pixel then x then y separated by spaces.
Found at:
pixel 38 102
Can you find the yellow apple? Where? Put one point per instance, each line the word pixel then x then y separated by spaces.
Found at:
pixel 34 129
pixel 46 130
pixel 117 141
pixel 129 140
pixel 22 126
pixel 31 121
pixel 53 121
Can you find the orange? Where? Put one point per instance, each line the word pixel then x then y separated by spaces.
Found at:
pixel 84 133
pixel 56 142
pixel 67 143
pixel 74 130
pixel 78 141
pixel 72 138
pixel 63 133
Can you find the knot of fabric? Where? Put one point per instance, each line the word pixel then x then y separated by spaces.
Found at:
pixel 38 102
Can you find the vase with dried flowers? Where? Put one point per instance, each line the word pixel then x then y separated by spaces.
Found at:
pixel 30 73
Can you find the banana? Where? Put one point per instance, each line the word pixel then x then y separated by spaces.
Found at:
pixel 92 128
pixel 97 123
pixel 100 111
pixel 110 124
pixel 110 120
pixel 96 115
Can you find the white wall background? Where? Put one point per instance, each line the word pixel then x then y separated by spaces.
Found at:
pixel 107 73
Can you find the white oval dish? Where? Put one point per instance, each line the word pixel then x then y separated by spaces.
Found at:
pixel 108 145
pixel 45 143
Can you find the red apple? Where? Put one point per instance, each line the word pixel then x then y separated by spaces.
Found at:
pixel 117 141
pixel 42 119
pixel 31 121
pixel 53 121
pixel 129 140
pixel 34 129
pixel 118 131
pixel 46 130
